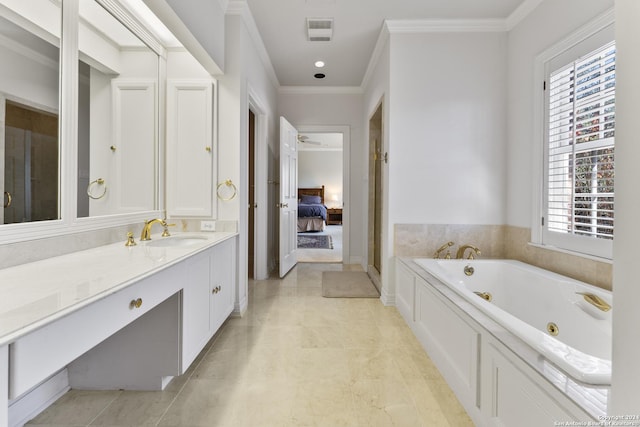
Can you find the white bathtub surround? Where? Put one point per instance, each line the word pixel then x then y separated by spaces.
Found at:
pixel 150 308
pixel 499 242
pixel 525 299
pixel 497 376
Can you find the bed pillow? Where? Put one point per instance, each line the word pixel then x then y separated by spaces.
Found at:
pixel 309 200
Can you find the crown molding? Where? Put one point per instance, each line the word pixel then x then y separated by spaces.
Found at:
pixel 241 8
pixel 320 90
pixel 521 13
pixel 418 26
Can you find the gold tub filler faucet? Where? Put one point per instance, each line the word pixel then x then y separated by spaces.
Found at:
pixel 474 251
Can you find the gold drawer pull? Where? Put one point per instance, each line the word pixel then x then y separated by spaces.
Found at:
pixel 135 303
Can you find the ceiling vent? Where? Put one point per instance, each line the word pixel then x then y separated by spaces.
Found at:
pixel 319 29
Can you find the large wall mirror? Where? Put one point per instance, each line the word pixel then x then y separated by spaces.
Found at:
pixel 117 117
pixel 29 105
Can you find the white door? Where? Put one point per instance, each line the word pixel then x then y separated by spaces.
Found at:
pixel 288 203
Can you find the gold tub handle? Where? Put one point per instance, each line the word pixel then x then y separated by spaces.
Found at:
pixel 98 181
pixel 9 198
pixel 595 300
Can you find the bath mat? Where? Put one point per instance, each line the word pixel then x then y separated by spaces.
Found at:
pixel 347 284
pixel 314 242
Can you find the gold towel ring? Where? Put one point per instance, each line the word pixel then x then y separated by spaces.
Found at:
pixel 9 198
pixel 98 181
pixel 227 183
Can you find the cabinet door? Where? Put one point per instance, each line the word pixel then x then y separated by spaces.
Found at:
pixel 190 148
pixel 195 308
pixel 222 282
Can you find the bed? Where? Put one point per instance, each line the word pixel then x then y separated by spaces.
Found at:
pixel 312 213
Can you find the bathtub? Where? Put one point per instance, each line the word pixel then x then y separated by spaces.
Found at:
pixel 526 300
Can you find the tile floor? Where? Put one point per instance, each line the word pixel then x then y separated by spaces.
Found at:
pixel 294 359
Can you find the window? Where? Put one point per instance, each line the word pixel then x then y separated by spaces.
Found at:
pixel 579 167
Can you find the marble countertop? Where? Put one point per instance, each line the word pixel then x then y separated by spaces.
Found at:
pixel 37 293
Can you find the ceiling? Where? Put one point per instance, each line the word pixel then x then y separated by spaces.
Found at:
pixel 357 25
pixel 320 141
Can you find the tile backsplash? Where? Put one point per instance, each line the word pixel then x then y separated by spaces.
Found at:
pixel 498 241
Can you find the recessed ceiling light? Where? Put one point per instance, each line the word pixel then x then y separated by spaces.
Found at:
pixel 319 64
pixel 319 76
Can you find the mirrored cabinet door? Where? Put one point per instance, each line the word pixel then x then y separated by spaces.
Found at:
pixel 118 117
pixel 29 105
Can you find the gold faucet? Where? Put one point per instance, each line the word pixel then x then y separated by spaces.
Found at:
pixel 463 248
pixel 595 301
pixel 146 230
pixel 447 245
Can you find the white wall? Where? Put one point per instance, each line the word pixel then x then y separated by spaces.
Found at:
pixel 246 76
pixel 337 108
pixel 447 128
pixel 552 21
pixel 316 168
pixel 626 316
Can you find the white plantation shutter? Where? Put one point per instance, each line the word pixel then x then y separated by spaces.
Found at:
pixel 580 146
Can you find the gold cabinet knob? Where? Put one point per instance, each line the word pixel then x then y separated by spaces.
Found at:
pixel 208 149
pixel 216 289
pixel 135 303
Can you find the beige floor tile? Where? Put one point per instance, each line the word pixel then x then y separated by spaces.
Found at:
pixel 134 408
pixel 295 359
pixel 76 407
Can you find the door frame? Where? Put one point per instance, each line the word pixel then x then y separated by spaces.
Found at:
pixel 261 213
pixel 345 130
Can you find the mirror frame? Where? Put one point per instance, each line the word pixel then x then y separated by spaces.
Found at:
pixel 68 134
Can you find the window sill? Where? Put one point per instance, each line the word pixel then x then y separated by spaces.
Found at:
pixel 568 252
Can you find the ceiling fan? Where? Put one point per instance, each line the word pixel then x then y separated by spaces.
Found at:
pixel 303 139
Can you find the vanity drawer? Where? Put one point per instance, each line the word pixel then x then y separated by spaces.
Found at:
pixel 34 357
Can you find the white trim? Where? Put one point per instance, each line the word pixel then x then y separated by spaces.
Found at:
pixel 241 8
pixel 600 22
pixel 345 130
pixel 32 403
pixel 521 12
pixel 419 26
pixel 320 90
pixel 383 38
pixel 261 152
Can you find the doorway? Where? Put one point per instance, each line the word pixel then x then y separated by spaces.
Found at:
pixel 320 165
pixel 252 196
pixel 377 157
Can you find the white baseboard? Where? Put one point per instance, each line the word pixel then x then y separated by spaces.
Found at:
pixel 29 405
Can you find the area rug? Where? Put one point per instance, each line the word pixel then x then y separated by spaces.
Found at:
pixel 347 284
pixel 306 241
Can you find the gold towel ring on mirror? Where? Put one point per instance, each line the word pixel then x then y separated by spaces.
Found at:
pixel 98 181
pixel 6 193
pixel 230 184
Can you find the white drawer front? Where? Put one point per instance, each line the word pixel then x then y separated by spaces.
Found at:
pixel 36 356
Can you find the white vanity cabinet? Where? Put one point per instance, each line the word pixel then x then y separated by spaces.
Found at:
pixel 222 289
pixel 152 311
pixel 195 307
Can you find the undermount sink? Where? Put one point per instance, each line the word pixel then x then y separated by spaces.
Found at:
pixel 173 241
